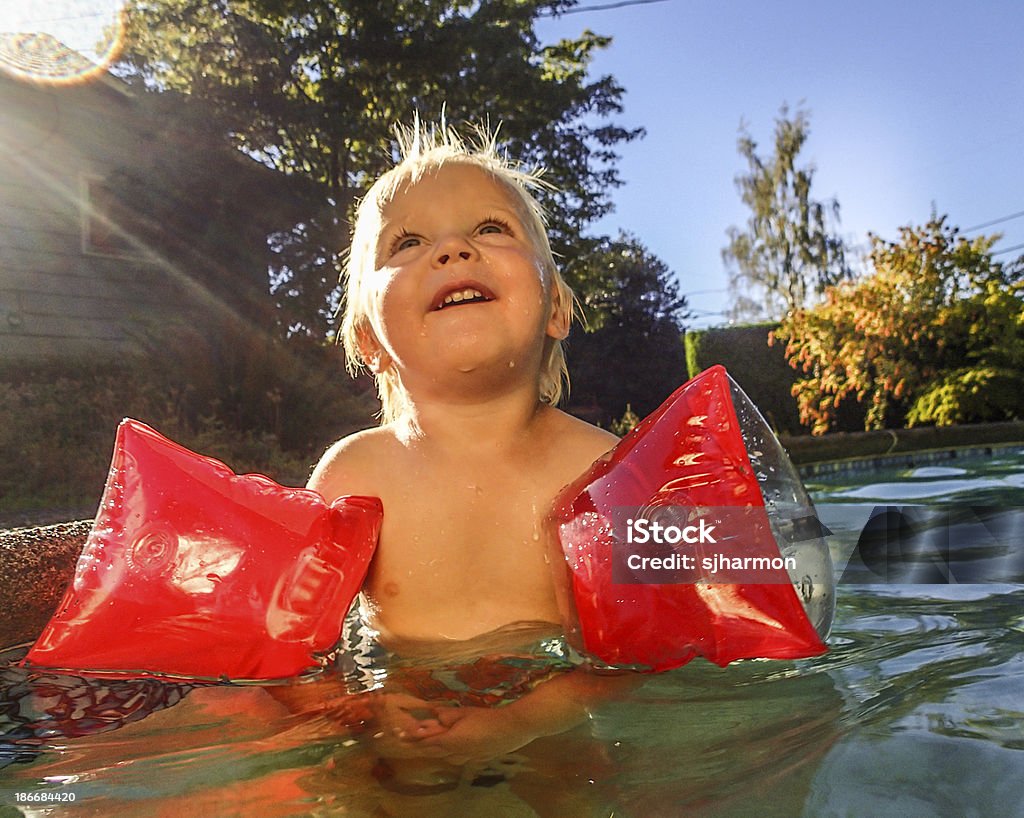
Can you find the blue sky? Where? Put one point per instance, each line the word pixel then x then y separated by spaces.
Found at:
pixel 911 103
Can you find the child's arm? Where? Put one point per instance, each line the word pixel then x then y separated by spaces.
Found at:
pixel 553 707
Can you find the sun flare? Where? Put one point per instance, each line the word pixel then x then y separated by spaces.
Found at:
pixel 59 41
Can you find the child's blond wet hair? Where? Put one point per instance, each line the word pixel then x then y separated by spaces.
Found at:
pixel 424 150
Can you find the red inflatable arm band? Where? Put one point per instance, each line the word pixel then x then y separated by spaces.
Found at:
pixel 689 454
pixel 195 572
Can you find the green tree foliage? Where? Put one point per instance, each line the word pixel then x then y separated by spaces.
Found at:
pixel 201 207
pixel 787 252
pixel 634 359
pixel 934 335
pixel 313 88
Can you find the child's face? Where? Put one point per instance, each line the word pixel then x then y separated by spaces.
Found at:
pixel 461 286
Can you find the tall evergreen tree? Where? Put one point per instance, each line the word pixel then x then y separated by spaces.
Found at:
pixel 634 357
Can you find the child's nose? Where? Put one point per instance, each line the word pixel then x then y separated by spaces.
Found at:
pixel 452 249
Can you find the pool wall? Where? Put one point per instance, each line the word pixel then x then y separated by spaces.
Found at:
pixel 36 566
pixel 921 442
pixel 907 459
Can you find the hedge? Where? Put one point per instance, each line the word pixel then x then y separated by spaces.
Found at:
pixel 759 369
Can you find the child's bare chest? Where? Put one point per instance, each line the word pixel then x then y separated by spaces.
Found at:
pixel 482 522
pixel 464 549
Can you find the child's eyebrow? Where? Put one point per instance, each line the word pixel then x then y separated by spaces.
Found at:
pixel 398 227
pixel 506 206
pixel 506 212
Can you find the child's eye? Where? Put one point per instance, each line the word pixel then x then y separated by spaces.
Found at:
pixel 404 241
pixel 494 226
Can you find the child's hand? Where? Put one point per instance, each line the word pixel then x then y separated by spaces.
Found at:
pixel 389 720
pixel 399 723
pixel 407 717
pixel 476 734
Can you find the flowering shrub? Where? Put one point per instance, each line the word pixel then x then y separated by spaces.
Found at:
pixel 934 335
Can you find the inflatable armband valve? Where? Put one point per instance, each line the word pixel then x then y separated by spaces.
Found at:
pixel 705 464
pixel 192 571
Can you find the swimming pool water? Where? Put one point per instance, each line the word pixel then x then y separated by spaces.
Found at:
pixel 917 709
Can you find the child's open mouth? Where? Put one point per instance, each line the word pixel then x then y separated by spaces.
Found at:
pixel 463 295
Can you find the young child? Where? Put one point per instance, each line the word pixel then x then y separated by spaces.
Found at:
pixel 455 304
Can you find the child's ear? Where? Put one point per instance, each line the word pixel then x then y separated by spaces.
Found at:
pixel 373 354
pixel 561 316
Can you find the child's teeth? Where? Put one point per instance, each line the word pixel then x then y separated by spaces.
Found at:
pixel 461 295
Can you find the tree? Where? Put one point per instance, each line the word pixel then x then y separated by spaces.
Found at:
pixel 314 87
pixel 934 335
pixel 202 207
pixel 634 359
pixel 787 252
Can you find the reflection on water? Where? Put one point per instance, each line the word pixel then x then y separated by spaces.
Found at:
pixel 994 480
pixel 923 490
pixel 915 710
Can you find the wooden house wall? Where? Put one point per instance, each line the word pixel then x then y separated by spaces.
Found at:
pixel 58 296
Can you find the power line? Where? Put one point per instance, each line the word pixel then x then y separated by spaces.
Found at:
pixel 706 292
pixel 1009 249
pixel 35 21
pixel 603 7
pixel 994 221
pixel 577 10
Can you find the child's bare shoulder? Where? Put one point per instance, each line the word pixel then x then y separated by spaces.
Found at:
pixel 580 439
pixel 351 465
